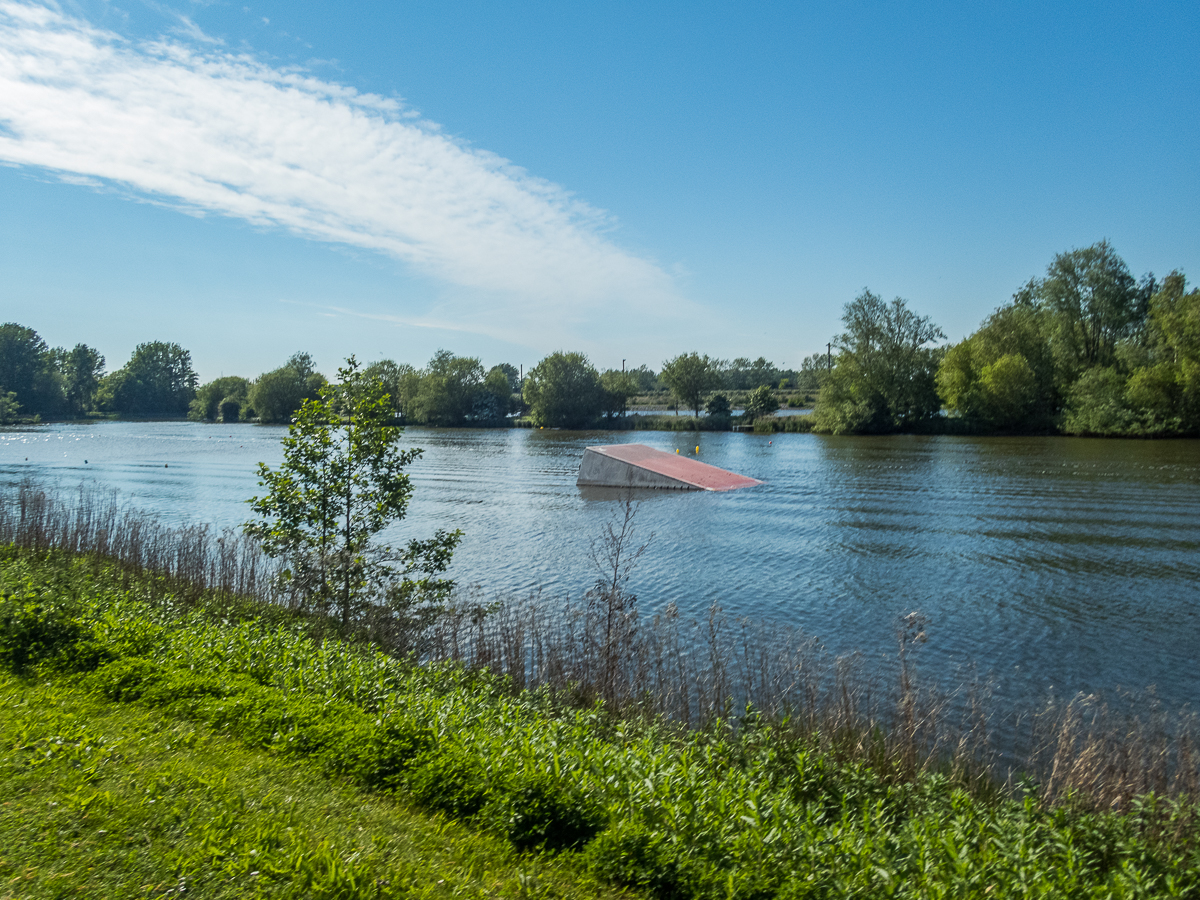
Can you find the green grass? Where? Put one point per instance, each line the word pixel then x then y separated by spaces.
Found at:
pixel 208 704
pixel 115 800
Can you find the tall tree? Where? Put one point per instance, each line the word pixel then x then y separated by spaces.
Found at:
pixel 157 381
pixel 563 391
pixel 617 387
pixel 1095 303
pixel 448 388
pixel 690 377
pixel 341 482
pixel 278 394
pixel 883 375
pixel 27 370
pixel 82 368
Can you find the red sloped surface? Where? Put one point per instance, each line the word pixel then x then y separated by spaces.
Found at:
pixel 675 465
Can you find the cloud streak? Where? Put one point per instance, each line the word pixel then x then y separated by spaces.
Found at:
pixel 211 131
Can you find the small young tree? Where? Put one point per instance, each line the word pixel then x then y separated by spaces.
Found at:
pixel 341 482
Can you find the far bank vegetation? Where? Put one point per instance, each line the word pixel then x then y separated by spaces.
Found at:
pixel 1085 349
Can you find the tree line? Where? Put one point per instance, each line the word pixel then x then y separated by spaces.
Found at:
pixel 1085 349
pixel 563 390
pixel 37 381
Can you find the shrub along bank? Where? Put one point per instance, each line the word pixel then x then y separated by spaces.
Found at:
pixel 726 811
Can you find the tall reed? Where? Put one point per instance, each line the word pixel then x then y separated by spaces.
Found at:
pixel 198 558
pixel 694 671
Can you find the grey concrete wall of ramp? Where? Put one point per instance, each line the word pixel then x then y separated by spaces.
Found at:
pixel 639 466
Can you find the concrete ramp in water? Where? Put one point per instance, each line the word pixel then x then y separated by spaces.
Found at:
pixel 639 466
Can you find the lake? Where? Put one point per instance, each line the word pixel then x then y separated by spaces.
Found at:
pixel 1051 563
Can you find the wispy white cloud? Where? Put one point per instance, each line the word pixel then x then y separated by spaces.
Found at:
pixel 212 131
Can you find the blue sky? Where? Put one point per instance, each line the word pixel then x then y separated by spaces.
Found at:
pixel 632 180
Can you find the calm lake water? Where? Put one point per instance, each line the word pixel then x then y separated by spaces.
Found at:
pixel 1050 563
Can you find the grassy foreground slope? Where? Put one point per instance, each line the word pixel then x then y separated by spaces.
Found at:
pixel 106 799
pixel 748 812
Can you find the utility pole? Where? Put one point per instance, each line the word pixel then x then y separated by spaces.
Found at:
pixel 829 357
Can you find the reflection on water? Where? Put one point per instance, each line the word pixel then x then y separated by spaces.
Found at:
pixel 1047 561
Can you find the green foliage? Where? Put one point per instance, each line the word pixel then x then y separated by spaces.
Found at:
pixel 542 811
pixel 451 391
pixel 1085 350
pixel 690 377
pixel 341 482
pixel 1003 377
pixel 225 399
pixel 448 390
pixel 27 370
pixel 1165 390
pixel 646 381
pixel 117 800
pixel 744 375
pixel 1096 404
pixel 34 630
pixel 10 409
pixel 812 373
pixel 563 391
pixel 747 812
pixel 400 380
pixel 158 381
pixel 449 779
pixel 761 402
pixel 1094 303
pixel 82 369
pixel 616 389
pixel 277 394
pixel 883 376
pixel 496 399
pixel 718 407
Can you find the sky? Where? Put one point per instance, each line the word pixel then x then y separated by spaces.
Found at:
pixel 628 179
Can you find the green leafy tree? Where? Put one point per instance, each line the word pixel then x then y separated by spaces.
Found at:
pixel 278 394
pixel 158 381
pixel 1003 377
pixel 1095 303
pixel 495 400
pixel 82 369
pixel 10 409
pixel 617 387
pixel 341 482
pixel 226 399
pixel 646 380
pixel 883 377
pixel 401 381
pixel 718 407
pixel 690 377
pixel 1165 390
pixel 448 389
pixel 563 391
pixel 744 374
pixel 812 372
pixel 512 373
pixel 27 369
pixel 1096 404
pixel 761 402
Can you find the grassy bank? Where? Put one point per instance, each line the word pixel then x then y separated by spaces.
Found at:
pixel 101 655
pixel 106 799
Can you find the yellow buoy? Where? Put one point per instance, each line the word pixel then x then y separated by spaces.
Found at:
pixel 676 449
pixel 697 449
